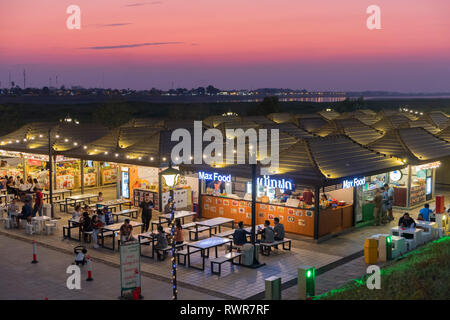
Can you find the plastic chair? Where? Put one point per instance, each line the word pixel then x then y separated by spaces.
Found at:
pixel 30 228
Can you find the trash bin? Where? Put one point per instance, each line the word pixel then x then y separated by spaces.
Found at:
pixel 247 254
pixel 370 251
pixel 47 210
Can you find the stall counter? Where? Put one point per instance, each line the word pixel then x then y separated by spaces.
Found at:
pixel 295 220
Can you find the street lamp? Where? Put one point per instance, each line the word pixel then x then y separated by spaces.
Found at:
pixel 171 177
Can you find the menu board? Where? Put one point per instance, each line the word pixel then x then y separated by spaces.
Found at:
pixel 89 179
pixel 182 198
pixel 109 176
pixel 139 194
pixel 130 264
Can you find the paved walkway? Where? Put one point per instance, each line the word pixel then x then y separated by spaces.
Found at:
pixel 19 279
pixel 238 282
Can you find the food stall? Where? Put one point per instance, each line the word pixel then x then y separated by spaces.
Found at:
pixel 223 196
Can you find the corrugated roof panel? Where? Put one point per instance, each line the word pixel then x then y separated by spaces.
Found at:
pixel 424 145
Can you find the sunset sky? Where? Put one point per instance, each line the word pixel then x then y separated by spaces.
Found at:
pixel 242 44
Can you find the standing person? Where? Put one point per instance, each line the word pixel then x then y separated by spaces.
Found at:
pixel 308 196
pixel 146 207
pixel 86 225
pixel 390 193
pixel 36 185
pixel 96 227
pixel 30 184
pixel 126 232
pixel 42 177
pixel 278 230
pixel 378 201
pixel 169 206
pixel 38 202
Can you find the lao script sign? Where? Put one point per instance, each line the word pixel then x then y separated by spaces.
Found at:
pixel 130 262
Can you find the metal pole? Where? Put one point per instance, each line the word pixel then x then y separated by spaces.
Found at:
pixel 253 236
pixel 316 212
pixel 199 201
pixel 50 173
pixel 174 263
pixel 82 175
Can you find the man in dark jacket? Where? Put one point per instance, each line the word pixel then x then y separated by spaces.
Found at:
pixel 278 230
pixel 406 221
pixel 240 235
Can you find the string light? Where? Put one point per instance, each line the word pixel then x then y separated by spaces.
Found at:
pixel 84 147
pixel 40 136
pixel 151 158
pixel 57 136
pixel 75 144
pixel 106 152
pixel 66 140
pixel 116 154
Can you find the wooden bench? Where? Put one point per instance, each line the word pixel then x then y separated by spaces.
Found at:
pixel 184 253
pixel 196 231
pixel 167 249
pixel 266 247
pixel 229 257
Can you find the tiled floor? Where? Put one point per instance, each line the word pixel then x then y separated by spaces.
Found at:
pixel 236 282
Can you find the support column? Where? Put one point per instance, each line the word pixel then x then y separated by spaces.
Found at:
pixel 199 202
pixel 253 235
pixel 50 173
pixel 82 176
pixel 408 189
pixel 316 212
pixel 161 206
pixel 118 181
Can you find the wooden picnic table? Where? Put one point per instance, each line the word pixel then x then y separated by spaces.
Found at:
pixel 178 215
pixel 57 193
pixel 213 223
pixel 114 228
pixel 79 198
pixel 205 245
pixel 126 212
pixel 114 203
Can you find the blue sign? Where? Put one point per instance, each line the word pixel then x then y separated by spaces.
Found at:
pixel 214 176
pixel 356 182
pixel 275 183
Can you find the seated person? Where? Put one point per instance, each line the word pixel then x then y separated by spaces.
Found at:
pixel 81 257
pixel 425 212
pixel 12 207
pixel 406 221
pixel 420 217
pixel 100 197
pixel 85 224
pixel 179 235
pixel 278 230
pixel 161 239
pixel 126 231
pixel 77 212
pixel 26 214
pixel 240 235
pixel 101 216
pixel 267 235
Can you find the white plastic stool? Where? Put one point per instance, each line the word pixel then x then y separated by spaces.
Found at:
pixel 29 228
pixel 7 223
pixel 398 246
pixel 50 228
pixel 36 227
pixel 410 244
pixel 427 236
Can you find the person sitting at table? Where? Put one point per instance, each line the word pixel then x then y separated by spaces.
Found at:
pixel 240 235
pixel 278 230
pixel 267 235
pixel 179 234
pixel 108 215
pixel 96 227
pixel 406 221
pixel 126 232
pixel 425 212
pixel 170 206
pixel 85 225
pixel 77 212
pixel 100 197
pixel 30 184
pixel 10 186
pixel 26 213
pixel 36 185
pixel 101 216
pixel 12 207
pixel 162 242
pixel 420 217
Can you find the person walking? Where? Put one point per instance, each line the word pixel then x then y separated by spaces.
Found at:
pixel 146 207
pixel 38 202
pixel 378 202
pixel 390 196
